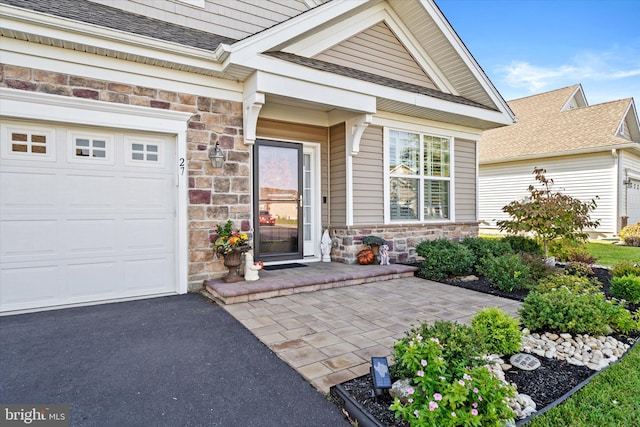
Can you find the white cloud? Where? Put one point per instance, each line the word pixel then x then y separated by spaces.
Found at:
pixel 598 68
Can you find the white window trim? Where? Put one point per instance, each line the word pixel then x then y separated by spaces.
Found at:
pixel 47 107
pixel 387 176
pixel 145 141
pixel 50 134
pixel 109 148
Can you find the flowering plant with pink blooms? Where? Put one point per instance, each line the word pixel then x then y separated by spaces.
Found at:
pixel 443 395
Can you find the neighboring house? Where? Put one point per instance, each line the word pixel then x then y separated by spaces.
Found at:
pixel 588 151
pixel 111 109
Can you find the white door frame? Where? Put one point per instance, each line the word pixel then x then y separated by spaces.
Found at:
pixel 20 104
pixel 312 249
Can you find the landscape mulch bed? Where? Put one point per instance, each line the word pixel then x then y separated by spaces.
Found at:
pixel 545 385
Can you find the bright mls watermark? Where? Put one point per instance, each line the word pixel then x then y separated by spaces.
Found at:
pixel 34 415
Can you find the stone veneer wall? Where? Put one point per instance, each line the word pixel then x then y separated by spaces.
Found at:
pixel 401 239
pixel 215 195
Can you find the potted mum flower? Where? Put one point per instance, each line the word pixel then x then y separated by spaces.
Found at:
pixel 374 243
pixel 231 244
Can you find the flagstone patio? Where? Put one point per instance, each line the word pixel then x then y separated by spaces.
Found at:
pixel 330 335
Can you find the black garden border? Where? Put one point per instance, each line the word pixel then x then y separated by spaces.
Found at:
pixel 364 419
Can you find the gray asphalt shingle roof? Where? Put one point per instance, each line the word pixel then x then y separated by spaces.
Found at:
pixel 109 17
pixel 543 128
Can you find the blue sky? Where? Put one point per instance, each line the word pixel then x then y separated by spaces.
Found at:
pixel 533 46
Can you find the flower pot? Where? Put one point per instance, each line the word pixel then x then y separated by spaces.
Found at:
pixel 232 261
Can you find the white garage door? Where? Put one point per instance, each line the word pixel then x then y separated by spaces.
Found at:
pixel 633 201
pixel 86 215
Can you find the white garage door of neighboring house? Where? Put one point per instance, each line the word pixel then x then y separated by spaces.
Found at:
pixel 633 201
pixel 86 215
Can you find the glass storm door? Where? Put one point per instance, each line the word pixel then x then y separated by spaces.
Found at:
pixel 279 201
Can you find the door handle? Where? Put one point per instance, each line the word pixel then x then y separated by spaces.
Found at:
pixel 300 204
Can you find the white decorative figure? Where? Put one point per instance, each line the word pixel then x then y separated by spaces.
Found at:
pixel 251 268
pixel 325 246
pixel 384 255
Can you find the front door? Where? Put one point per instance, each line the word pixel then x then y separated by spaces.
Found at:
pixel 279 200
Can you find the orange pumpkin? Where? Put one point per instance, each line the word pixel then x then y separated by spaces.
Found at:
pixel 365 256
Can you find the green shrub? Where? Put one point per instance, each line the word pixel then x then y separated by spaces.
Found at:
pixel 564 311
pixel 537 267
pixel 522 244
pixel 625 268
pixel 459 345
pixel 570 250
pixel 506 272
pixel 575 284
pixel 444 258
pixel 631 234
pixel 439 397
pixel 626 287
pixel 576 268
pixel 482 247
pixel 499 332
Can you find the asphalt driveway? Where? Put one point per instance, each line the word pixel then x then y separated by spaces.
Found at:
pixel 173 361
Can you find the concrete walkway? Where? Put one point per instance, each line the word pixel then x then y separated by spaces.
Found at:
pixel 329 336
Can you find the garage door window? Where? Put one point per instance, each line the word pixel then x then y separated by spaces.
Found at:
pixel 32 143
pixel 97 148
pixel 144 152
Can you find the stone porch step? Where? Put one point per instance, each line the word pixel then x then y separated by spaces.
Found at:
pixel 312 277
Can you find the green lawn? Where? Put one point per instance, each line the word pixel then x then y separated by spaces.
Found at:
pixel 606 253
pixel 611 399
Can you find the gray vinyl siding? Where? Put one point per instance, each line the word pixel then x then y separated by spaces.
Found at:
pixel 465 179
pixel 378 51
pixel 368 176
pixel 236 19
pixel 337 175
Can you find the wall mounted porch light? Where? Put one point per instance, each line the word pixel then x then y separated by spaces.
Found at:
pixel 216 156
pixel 380 374
pixel 627 182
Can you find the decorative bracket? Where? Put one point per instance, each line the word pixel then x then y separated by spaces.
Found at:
pixel 251 108
pixel 355 127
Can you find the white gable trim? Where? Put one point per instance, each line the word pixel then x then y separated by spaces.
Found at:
pixel 272 38
pixel 468 59
pixel 580 97
pixel 634 128
pixel 324 39
pixel 42 106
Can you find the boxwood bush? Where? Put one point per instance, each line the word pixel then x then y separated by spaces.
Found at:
pixel 562 310
pixel 506 272
pixel 626 267
pixel 444 258
pixel 523 244
pixel 626 287
pixel 574 283
pixel 497 330
pixel 483 247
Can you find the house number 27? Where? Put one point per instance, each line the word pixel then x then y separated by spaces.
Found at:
pixel 181 165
